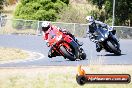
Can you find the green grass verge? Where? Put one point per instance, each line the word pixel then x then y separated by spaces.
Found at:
pixel 57 77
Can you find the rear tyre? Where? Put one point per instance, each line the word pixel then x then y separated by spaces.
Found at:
pixel 67 53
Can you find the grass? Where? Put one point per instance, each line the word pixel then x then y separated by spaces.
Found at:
pixel 76 12
pixel 57 77
pixel 8 28
pixel 12 54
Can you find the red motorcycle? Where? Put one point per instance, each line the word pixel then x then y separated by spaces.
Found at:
pixel 64 45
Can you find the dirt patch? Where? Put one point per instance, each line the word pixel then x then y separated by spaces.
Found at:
pixel 8 55
pixel 12 54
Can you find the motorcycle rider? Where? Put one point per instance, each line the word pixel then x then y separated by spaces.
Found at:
pixel 93 25
pixel 49 30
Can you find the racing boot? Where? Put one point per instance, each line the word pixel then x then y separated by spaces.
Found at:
pixel 49 54
pixel 98 47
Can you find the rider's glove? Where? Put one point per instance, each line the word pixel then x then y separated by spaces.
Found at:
pixel 65 31
pixel 92 38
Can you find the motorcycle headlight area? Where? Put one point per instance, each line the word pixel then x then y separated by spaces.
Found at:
pixel 59 37
pixel 101 39
pixel 106 35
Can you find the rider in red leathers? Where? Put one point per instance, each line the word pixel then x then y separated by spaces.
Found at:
pixel 49 31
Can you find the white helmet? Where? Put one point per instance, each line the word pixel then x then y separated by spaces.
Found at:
pixel 45 25
pixel 90 19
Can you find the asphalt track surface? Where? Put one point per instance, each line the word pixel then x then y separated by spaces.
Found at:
pixel 36 44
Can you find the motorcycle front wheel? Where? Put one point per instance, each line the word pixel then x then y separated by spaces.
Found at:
pixel 68 54
pixel 114 47
pixel 82 54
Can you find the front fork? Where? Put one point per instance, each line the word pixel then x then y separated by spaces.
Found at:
pixel 76 47
pixel 115 39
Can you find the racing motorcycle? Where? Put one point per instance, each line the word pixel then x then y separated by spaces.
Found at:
pixel 107 40
pixel 66 46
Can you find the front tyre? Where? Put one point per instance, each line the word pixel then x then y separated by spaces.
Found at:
pixel 114 47
pixel 68 54
pixel 82 54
